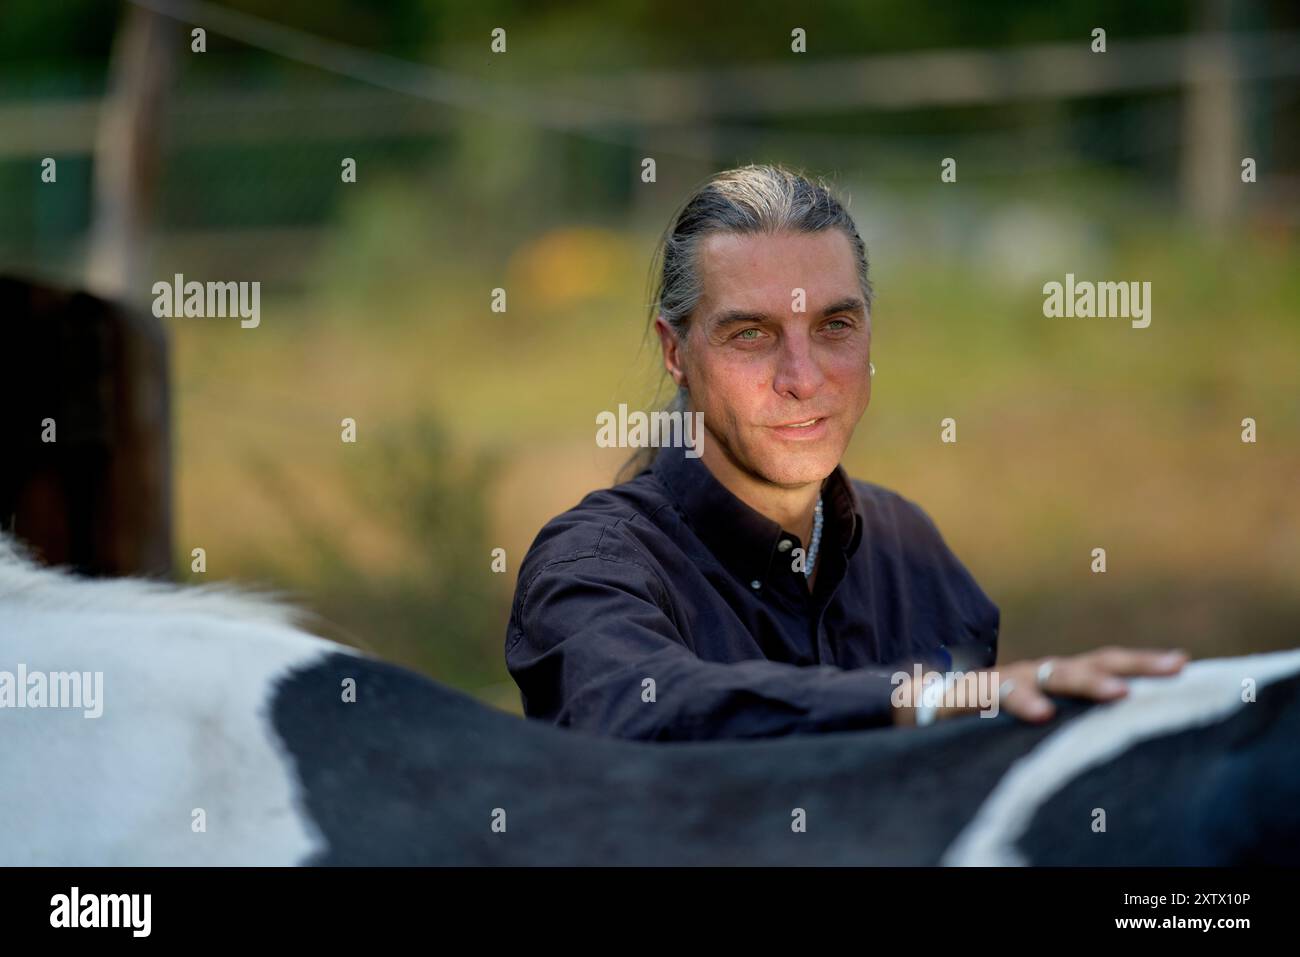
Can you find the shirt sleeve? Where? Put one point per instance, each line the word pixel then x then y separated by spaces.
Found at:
pixel 592 647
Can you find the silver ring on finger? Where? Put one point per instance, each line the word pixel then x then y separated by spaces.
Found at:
pixel 1045 672
pixel 1006 688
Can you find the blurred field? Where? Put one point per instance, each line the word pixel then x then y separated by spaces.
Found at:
pixel 475 428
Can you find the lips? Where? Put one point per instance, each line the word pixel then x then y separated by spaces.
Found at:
pixel 802 429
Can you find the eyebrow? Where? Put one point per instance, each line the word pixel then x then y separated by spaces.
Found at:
pixel 732 317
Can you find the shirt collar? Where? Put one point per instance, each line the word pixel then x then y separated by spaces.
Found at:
pixel 746 541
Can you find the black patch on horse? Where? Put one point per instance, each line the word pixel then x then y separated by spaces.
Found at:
pixel 411 772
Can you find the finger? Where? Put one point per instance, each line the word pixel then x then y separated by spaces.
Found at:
pixel 1027 703
pixel 1134 661
pixel 1081 678
pixel 1078 677
pixel 1097 684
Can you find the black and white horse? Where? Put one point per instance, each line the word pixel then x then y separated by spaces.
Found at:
pixel 226 735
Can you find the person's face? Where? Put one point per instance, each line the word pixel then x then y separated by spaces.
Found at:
pixel 761 371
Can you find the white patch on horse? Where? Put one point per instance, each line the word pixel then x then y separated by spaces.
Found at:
pixel 25 584
pixel 1204 692
pixel 189 676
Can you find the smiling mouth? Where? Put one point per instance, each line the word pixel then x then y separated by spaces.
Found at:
pixel 806 424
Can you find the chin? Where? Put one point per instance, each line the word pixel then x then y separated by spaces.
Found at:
pixel 781 467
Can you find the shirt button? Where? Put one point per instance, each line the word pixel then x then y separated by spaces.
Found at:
pixel 755 585
pixel 784 545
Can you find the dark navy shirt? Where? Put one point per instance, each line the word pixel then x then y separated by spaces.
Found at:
pixel 665 608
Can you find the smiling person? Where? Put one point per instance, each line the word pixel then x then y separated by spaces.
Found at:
pixel 756 590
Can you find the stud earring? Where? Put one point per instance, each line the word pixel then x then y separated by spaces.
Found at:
pixel 872 367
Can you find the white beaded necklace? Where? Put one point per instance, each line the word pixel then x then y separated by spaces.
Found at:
pixel 816 540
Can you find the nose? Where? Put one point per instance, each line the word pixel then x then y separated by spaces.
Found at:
pixel 797 374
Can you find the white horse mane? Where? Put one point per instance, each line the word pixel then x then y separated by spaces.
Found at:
pixel 26 583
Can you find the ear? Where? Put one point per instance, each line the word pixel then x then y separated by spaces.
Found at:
pixel 672 349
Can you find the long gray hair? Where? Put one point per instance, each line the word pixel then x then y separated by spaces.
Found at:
pixel 749 199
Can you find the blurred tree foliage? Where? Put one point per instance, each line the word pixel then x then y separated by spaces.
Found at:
pixel 592 35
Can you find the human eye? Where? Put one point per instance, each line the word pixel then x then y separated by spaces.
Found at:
pixel 744 334
pixel 838 325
